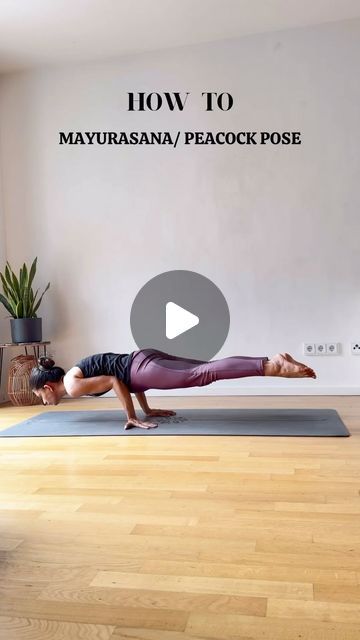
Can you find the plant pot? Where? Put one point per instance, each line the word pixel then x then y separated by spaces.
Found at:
pixel 26 329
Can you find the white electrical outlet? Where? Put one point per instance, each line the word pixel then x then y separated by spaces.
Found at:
pixel 327 348
pixel 320 348
pixel 355 348
pixel 309 348
pixel 332 348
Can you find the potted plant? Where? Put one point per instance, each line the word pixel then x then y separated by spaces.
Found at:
pixel 22 304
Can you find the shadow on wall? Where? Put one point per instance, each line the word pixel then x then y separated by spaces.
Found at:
pixel 68 313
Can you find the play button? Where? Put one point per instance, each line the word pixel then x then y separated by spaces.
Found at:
pixel 182 313
pixel 178 320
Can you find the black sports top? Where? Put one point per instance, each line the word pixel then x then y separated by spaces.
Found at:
pixel 107 364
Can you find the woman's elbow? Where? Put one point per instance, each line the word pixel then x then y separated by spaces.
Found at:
pixel 74 392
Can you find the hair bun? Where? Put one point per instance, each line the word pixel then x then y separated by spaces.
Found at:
pixel 45 363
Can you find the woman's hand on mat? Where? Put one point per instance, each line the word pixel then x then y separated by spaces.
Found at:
pixel 160 412
pixel 134 422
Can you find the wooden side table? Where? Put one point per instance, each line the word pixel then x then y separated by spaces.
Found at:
pixel 35 345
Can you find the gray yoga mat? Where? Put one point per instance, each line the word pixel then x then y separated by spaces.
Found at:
pixel 207 422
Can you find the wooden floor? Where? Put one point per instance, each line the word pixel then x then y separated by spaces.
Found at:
pixel 181 537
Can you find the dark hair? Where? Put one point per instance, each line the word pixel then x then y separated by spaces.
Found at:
pixel 45 372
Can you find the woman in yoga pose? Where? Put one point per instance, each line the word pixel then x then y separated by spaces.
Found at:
pixel 150 369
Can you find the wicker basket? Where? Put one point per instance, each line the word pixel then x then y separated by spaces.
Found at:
pixel 19 391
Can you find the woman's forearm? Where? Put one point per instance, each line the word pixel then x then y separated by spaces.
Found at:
pixel 141 398
pixel 124 396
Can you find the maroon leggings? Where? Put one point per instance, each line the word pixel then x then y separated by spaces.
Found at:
pixel 153 369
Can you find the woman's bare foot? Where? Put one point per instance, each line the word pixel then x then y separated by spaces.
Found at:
pixel 283 365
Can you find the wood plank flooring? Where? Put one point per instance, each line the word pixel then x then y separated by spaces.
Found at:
pixel 181 537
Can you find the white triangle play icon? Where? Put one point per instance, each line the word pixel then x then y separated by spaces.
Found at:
pixel 178 320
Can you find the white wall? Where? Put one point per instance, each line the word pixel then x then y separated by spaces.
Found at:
pixel 4 322
pixel 276 228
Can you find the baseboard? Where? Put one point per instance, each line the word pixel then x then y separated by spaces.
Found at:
pixel 238 390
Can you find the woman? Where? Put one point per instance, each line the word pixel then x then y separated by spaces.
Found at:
pixel 150 369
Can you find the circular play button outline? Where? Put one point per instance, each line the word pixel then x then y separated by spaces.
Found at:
pixel 170 301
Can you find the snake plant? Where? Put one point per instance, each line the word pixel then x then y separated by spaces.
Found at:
pixel 19 298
